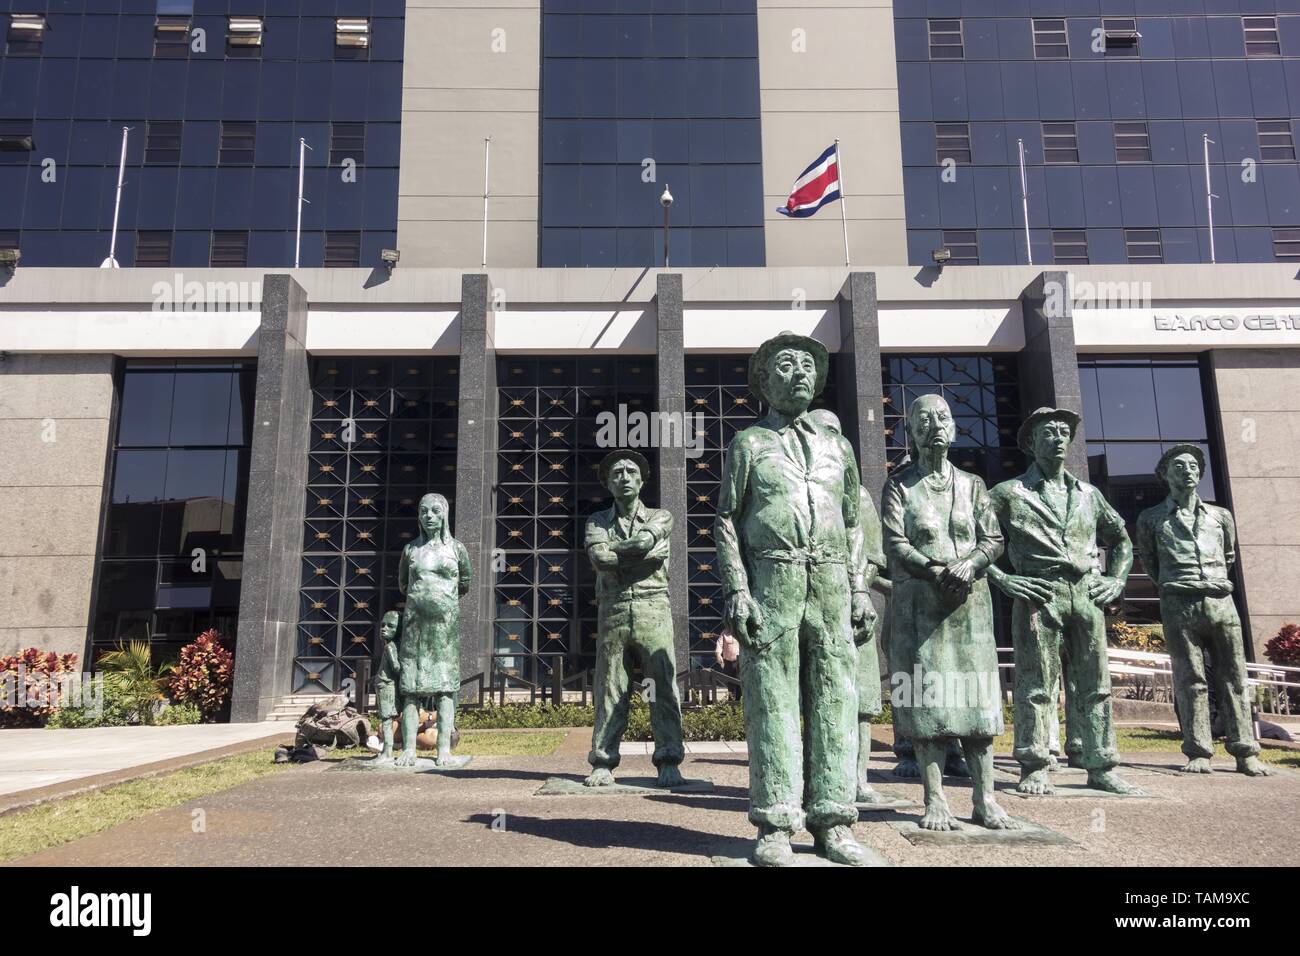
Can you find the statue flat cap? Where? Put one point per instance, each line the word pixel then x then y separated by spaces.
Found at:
pixel 1045 414
pixel 788 340
pixel 623 454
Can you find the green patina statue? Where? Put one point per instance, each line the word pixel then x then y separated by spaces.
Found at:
pixel 867 560
pixel 1054 523
pixel 386 678
pixel 941 535
pixel 1188 547
pixel 787 506
pixel 433 573
pixel 628 545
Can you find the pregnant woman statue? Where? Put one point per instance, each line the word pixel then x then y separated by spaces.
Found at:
pixel 433 574
pixel 940 534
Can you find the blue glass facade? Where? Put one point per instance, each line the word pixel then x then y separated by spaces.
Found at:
pixel 104 64
pixel 674 82
pixel 1111 124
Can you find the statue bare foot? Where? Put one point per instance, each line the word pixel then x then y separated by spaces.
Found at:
pixel 1035 782
pixel 868 794
pixel 1197 765
pixel 906 768
pixel 1252 766
pixel 772 848
pixel 443 759
pixel 938 817
pixel 669 776
pixel 407 759
pixel 1112 782
pixel 1053 764
pixel 838 845
pixel 992 817
pixel 600 777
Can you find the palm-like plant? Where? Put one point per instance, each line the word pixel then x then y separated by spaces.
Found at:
pixel 130 672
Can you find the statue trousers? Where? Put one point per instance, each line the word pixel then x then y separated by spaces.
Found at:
pixel 1196 627
pixel 807 666
pixel 1065 638
pixel 632 632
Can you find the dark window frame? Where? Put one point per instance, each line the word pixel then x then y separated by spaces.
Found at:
pixel 1060 142
pixel 237 144
pixel 1286 243
pixel 1121 37
pixel 1051 42
pixel 1266 40
pixel 347 141
pixel 228 249
pixel 158 138
pixel 963 245
pixel 1276 145
pixel 1132 141
pixel 154 241
pixel 1066 246
pixel 166 32
pixel 952 141
pixel 941 40
pixel 1142 241
pixel 339 244
pixel 25 34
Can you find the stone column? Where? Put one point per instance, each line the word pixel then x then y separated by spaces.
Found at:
pixel 1049 363
pixel 1255 397
pixel 277 488
pixel 861 390
pixel 670 396
pixel 476 470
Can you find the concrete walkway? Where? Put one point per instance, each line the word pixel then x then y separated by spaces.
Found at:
pixel 41 758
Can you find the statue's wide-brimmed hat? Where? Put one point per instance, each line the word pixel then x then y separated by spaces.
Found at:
pixel 1183 449
pixel 614 457
pixel 1045 414
pixel 788 340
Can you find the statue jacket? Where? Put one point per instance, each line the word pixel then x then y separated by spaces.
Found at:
pixel 626 577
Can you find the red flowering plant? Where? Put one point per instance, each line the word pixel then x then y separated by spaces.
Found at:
pixel 29 686
pixel 204 674
pixel 1284 648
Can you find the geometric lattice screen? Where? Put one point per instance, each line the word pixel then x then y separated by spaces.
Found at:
pixel 383 433
pixel 717 387
pixel 983 392
pixel 547 485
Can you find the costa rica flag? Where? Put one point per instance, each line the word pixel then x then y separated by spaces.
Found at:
pixel 816 186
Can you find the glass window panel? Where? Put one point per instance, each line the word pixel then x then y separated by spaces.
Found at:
pixel 145 416
pixel 1128 403
pixel 201 408
pixel 1180 403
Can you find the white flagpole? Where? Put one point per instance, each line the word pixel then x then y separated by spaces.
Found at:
pixel 1024 201
pixel 1209 194
pixel 844 215
pixel 302 164
pixel 487 165
pixel 111 261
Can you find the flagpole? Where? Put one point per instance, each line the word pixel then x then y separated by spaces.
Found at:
pixel 111 261
pixel 302 165
pixel 1209 193
pixel 487 161
pixel 1024 201
pixel 844 216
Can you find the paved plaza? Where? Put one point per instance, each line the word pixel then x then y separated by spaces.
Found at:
pixel 488 814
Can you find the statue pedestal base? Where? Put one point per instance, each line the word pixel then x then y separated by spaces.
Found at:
pixel 422 765
pixel 804 856
pixel 633 786
pixel 887 801
pixel 972 834
pixel 1074 790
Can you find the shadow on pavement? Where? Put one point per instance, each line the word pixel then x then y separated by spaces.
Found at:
pixel 630 834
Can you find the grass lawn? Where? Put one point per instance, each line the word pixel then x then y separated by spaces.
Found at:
pixel 62 821
pixel 1142 740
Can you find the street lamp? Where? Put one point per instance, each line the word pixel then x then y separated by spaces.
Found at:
pixel 666 200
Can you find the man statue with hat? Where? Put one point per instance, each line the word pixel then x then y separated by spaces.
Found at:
pixel 786 512
pixel 1054 523
pixel 1188 547
pixel 628 544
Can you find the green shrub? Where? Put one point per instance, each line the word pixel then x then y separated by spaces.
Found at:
pixel 130 671
pixel 116 711
pixel 172 714
pixel 520 715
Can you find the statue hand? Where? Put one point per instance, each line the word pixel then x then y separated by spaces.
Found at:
pixel 1105 590
pixel 1032 590
pixel 863 614
pixel 957 577
pixel 745 618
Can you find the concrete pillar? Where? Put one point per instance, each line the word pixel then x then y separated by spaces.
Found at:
pixel 277 488
pixel 1256 399
pixel 670 396
pixel 476 469
pixel 1049 363
pixel 861 389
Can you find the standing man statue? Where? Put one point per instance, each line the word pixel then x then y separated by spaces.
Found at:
pixel 1053 524
pixel 1188 547
pixel 433 573
pixel 628 546
pixel 867 560
pixel 941 535
pixel 788 503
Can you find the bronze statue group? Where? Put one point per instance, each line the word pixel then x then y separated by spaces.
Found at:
pixel 800 546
